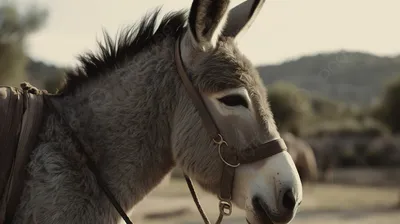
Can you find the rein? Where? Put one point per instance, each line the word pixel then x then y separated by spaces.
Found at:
pixel 83 148
pixel 89 162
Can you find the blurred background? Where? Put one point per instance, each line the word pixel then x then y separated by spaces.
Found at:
pixel 332 69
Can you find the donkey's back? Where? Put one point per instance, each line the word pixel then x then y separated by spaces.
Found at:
pixel 20 119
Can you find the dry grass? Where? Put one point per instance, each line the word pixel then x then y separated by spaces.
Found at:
pixel 323 203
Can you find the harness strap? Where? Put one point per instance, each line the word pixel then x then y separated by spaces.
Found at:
pixel 90 163
pixel 205 115
pixel 208 122
pixel 21 116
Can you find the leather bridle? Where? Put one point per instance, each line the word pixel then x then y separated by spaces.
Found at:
pixel 230 157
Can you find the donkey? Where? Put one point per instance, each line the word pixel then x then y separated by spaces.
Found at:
pixel 303 157
pixel 129 104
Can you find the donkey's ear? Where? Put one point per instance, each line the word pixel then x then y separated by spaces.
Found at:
pixel 241 17
pixel 206 21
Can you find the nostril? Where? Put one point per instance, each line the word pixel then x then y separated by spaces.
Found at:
pixel 288 200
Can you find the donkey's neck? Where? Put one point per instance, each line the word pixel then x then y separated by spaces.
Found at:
pixel 125 117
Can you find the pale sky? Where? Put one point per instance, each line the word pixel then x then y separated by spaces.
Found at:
pixel 284 29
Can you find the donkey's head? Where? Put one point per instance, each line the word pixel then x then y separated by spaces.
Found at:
pixel 231 88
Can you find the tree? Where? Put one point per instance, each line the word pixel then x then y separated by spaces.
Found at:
pixel 14 29
pixel 290 106
pixel 388 110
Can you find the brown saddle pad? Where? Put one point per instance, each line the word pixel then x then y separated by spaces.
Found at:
pixel 20 120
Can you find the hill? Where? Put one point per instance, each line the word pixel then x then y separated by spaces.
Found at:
pixel 351 77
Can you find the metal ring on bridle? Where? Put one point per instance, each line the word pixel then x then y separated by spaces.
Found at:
pixel 225 207
pixel 220 143
pixel 220 140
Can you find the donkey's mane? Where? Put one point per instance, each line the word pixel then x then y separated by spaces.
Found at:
pixel 130 41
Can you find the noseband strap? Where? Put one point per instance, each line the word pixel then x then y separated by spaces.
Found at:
pixel 230 157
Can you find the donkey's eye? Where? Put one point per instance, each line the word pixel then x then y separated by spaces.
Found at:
pixel 234 100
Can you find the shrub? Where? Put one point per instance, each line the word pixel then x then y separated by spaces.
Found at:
pixel 290 106
pixel 349 127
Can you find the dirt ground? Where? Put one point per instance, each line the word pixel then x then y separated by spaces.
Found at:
pixel 323 203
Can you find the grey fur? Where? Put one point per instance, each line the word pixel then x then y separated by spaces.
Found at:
pixel 142 124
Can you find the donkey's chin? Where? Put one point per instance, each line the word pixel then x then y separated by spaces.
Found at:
pixel 259 214
pixel 256 213
pixel 252 218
